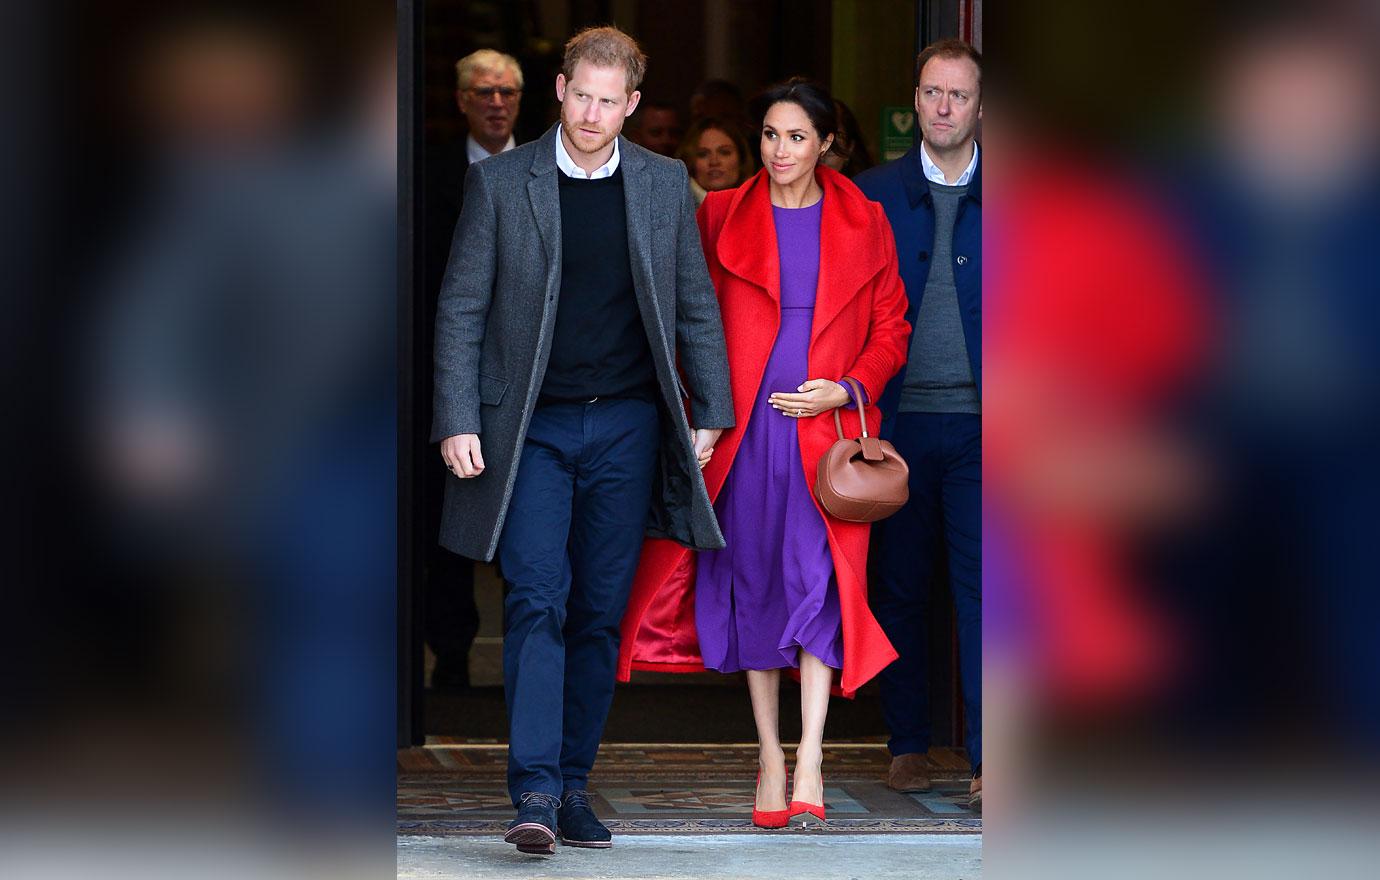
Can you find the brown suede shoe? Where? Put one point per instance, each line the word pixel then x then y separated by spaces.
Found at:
pixel 909 773
pixel 975 792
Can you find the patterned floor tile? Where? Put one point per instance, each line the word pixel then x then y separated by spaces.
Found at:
pixel 938 803
pixel 458 788
pixel 642 801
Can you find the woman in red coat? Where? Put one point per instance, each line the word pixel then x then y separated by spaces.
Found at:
pixel 805 270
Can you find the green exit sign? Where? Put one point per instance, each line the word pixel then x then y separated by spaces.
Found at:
pixel 898 131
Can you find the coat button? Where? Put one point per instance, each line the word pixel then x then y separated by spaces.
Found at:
pixel 962 260
pixel 924 255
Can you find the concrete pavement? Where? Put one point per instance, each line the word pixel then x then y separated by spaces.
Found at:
pixel 704 857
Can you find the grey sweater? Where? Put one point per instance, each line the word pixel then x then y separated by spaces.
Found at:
pixel 938 375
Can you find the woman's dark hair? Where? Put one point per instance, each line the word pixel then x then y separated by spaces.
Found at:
pixel 849 144
pixel 808 95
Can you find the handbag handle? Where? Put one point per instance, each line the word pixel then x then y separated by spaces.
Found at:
pixel 856 393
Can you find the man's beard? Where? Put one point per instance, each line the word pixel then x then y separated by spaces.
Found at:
pixel 572 135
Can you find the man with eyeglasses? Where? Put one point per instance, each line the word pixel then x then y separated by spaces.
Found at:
pixel 488 93
pixel 933 408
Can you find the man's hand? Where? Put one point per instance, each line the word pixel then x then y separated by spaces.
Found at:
pixel 814 397
pixel 704 440
pixel 462 456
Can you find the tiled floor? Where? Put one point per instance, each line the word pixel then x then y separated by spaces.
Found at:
pixel 457 788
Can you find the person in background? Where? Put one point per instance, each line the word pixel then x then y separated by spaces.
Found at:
pixel 718 98
pixel 717 155
pixel 488 92
pixel 805 270
pixel 933 198
pixel 660 129
pixel 849 156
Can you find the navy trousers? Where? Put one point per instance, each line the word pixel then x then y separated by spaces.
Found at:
pixel 569 551
pixel 942 523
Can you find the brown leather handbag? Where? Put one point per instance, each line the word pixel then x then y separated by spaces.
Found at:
pixel 861 480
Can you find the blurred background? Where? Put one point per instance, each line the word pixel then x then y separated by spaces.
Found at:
pixel 1182 428
pixel 200 534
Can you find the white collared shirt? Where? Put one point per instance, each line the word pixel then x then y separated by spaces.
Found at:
pixel 570 169
pixel 475 152
pixel 934 175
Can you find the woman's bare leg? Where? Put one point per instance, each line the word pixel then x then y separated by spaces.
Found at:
pixel 815 681
pixel 764 686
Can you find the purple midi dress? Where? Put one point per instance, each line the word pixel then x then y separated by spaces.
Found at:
pixel 771 591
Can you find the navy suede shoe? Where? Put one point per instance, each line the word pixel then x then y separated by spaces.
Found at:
pixel 577 825
pixel 534 829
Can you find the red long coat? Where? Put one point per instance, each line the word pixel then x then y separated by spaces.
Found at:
pixel 859 330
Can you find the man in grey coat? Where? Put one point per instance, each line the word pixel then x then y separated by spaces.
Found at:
pixel 575 298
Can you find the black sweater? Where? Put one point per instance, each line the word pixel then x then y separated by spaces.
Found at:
pixel 600 347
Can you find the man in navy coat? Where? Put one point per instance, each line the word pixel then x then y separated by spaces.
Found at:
pixel 933 199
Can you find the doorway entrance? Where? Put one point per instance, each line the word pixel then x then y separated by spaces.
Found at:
pixel 863 51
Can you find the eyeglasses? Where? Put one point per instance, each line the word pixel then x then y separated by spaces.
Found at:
pixel 507 94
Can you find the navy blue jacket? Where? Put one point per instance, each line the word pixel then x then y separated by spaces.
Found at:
pixel 904 194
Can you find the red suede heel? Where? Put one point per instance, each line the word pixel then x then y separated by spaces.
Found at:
pixel 767 818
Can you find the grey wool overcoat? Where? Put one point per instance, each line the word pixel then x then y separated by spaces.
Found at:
pixel 497 314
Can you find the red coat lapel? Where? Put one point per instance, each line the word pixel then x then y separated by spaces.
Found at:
pixel 747 242
pixel 849 253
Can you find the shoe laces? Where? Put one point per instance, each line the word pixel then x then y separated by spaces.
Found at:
pixel 538 797
pixel 577 797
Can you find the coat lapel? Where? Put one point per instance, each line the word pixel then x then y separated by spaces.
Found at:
pixel 851 248
pixel 747 242
pixel 543 191
pixel 637 201
pixel 913 177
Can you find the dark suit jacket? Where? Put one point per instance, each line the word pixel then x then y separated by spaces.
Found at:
pixel 904 193
pixel 446 168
